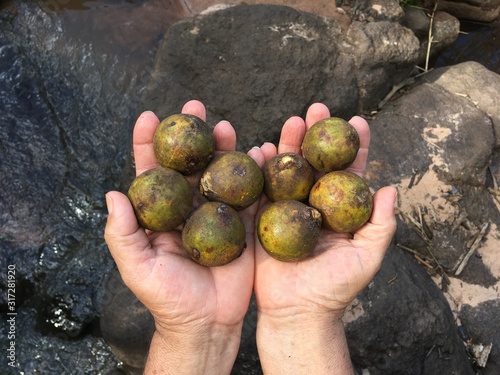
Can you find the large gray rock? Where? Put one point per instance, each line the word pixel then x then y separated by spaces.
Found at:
pixel 402 324
pixel 437 146
pixel 472 81
pixel 258 65
pixel 475 10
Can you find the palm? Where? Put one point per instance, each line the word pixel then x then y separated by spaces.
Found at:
pixel 156 268
pixel 341 265
pixel 179 291
pixel 327 280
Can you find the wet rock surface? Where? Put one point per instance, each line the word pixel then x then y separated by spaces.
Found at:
pixel 67 106
pixel 68 103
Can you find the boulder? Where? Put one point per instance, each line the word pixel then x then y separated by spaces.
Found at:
pixel 258 51
pixel 325 8
pixel 443 167
pixel 402 324
pixel 472 81
pixel 474 10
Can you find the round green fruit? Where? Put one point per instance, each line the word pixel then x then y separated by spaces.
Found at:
pixel 184 142
pixel 288 176
pixel 214 234
pixel 162 199
pixel 289 230
pixel 233 178
pixel 331 144
pixel 344 200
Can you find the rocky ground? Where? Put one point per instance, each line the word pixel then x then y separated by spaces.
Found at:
pixel 68 103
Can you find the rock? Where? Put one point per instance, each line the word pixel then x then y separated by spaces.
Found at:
pixel 445 30
pixel 126 324
pixel 417 20
pixel 475 10
pixel 472 81
pixel 384 54
pixel 439 126
pixel 441 170
pixel 68 104
pixel 210 57
pixel 258 50
pixel 483 326
pixel 402 324
pixel 377 10
pixel 325 8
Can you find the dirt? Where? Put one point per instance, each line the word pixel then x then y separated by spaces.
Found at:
pixel 424 198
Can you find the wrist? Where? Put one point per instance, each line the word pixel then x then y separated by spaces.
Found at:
pixel 211 350
pixel 303 344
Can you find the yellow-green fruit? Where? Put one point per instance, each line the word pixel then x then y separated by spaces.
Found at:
pixel 331 144
pixel 288 176
pixel 214 234
pixel 184 142
pixel 289 230
pixel 344 200
pixel 162 199
pixel 233 178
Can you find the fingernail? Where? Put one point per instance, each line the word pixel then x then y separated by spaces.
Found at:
pixel 109 203
pixel 255 147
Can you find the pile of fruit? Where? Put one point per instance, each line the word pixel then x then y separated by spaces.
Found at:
pixel 213 233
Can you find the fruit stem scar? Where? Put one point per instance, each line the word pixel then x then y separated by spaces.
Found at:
pixel 196 253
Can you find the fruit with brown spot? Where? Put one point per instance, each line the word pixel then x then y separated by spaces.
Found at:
pixel 288 176
pixel 331 144
pixel 233 178
pixel 184 142
pixel 344 200
pixel 162 199
pixel 289 230
pixel 214 234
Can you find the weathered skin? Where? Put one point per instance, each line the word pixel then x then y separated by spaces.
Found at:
pixel 344 200
pixel 162 199
pixel 331 144
pixel 288 176
pixel 214 234
pixel 185 143
pixel 233 178
pixel 289 230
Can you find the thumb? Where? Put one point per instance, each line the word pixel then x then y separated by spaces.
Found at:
pixel 124 236
pixel 378 232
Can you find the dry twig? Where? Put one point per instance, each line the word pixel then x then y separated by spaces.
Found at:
pixel 475 245
pixel 430 38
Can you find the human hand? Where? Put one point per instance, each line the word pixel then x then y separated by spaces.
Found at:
pixel 300 304
pixel 195 308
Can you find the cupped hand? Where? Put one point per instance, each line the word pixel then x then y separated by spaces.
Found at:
pixel 182 295
pixel 341 264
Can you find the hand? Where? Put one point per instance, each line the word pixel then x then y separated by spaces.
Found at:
pixel 195 308
pixel 301 304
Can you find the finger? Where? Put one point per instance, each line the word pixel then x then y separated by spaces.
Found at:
pixel 363 129
pixel 127 241
pixel 378 232
pixel 195 107
pixel 256 154
pixel 292 135
pixel 143 133
pixel 269 150
pixel 225 136
pixel 316 112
